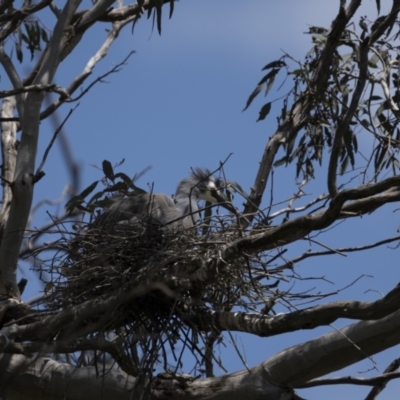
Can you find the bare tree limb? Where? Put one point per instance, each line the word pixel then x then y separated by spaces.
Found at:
pixel 79 80
pixel 32 88
pixel 45 379
pixel 309 318
pixel 349 380
pixel 293 367
pixel 308 254
pixel 10 69
pixel 381 384
pixel 333 351
pixel 15 18
pixel 39 170
pixel 363 199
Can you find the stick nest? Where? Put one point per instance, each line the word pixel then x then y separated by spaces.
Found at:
pixel 150 271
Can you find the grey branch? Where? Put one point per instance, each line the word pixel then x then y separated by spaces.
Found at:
pixel 293 367
pixel 80 79
pixel 310 318
pixel 376 380
pixel 308 254
pixel 34 88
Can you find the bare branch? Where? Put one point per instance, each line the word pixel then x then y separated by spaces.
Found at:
pixel 335 251
pixel 365 199
pixel 379 386
pixel 46 379
pixel 99 8
pixel 299 364
pixel 376 380
pixel 79 80
pixel 310 318
pixel 32 88
pixel 53 53
pixel 54 9
pixel 290 210
pixel 39 170
pixel 15 18
pixel 132 10
pixel 10 69
pixel 22 13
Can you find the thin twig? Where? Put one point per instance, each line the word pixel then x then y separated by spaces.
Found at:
pixel 58 130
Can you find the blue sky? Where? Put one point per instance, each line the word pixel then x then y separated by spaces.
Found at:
pixel 178 104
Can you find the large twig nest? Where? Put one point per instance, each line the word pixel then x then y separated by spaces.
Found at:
pixel 98 263
pixel 156 265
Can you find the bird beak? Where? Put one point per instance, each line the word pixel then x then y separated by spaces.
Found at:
pixel 223 201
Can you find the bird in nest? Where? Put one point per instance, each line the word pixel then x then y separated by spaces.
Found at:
pixel 181 211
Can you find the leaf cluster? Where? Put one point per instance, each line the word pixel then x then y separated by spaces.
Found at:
pixel 32 34
pixel 116 184
pixel 376 114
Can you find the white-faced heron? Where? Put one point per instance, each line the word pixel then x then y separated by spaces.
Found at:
pixel 182 211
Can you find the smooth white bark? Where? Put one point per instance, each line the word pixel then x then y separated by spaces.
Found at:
pixel 333 351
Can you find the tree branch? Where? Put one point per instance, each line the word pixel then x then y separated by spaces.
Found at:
pixel 381 384
pixel 310 318
pixel 45 379
pixel 308 254
pixel 364 199
pixel 349 380
pixel 293 367
pixel 333 351
pixel 58 130
pixel 32 88
pixel 300 110
pixel 29 111
pixel 80 79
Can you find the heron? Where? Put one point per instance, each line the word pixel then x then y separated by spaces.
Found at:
pixel 181 211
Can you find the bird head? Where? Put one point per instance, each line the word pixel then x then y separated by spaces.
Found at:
pixel 210 189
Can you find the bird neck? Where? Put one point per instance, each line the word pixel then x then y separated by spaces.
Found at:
pixel 189 204
pixel 183 192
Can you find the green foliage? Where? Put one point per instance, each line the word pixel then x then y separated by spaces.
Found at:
pixel 31 34
pixel 114 183
pixel 155 10
pixel 267 81
pixel 266 108
pixel 376 114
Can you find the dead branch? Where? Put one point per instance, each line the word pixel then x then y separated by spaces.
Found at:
pixel 308 254
pixel 349 380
